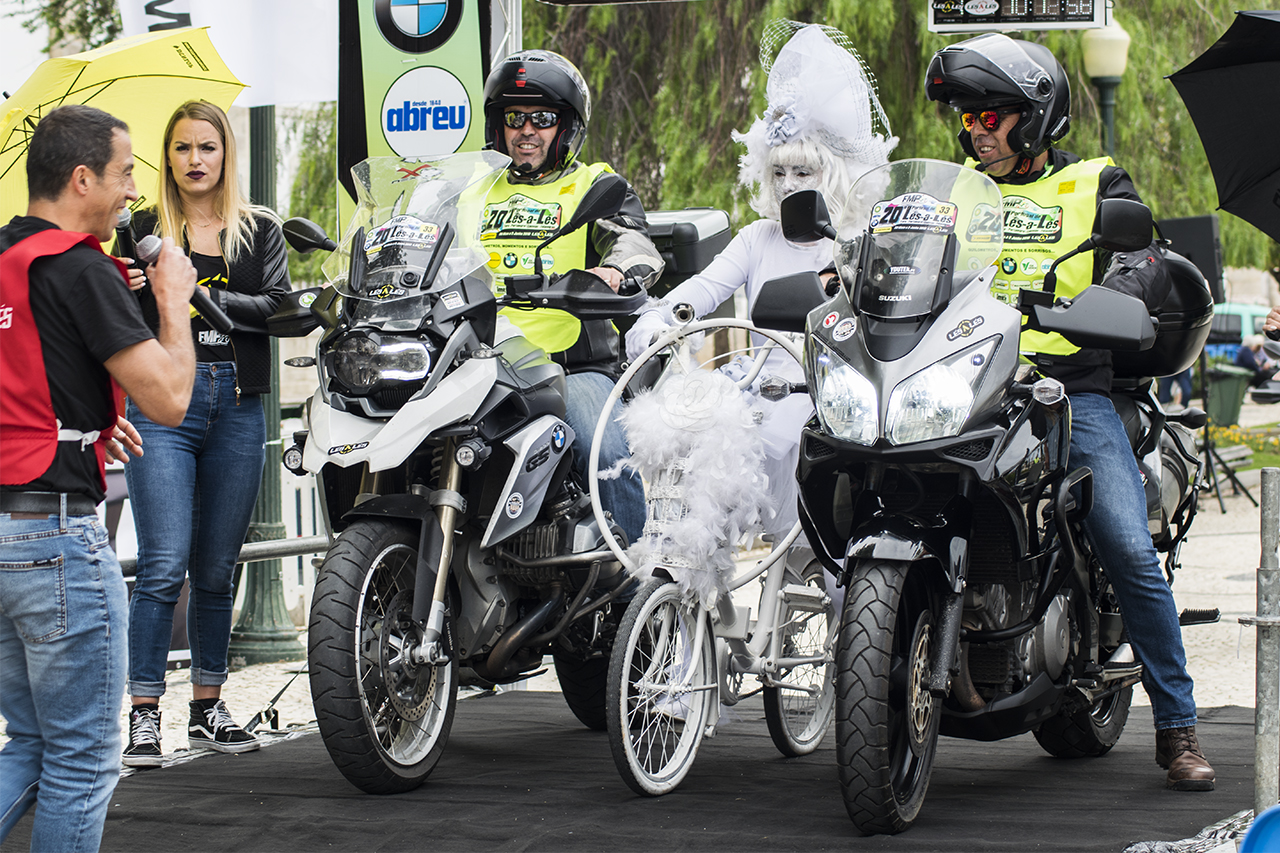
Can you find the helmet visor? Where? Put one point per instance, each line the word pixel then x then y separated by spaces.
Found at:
pixel 1006 55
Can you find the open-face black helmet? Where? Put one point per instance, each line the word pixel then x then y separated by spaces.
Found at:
pixel 994 70
pixel 539 78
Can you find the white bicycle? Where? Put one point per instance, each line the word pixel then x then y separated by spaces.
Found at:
pixel 678 655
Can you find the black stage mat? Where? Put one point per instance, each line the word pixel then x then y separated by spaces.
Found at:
pixel 521 774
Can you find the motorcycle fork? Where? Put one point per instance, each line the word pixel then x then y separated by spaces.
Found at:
pixel 448 503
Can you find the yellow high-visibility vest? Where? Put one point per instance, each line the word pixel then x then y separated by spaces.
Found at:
pixel 518 217
pixel 1042 221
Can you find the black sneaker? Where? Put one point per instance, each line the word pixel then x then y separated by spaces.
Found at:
pixel 213 728
pixel 144 738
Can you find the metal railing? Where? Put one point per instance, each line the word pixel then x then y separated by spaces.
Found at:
pixel 251 552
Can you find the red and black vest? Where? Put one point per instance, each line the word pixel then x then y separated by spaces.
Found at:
pixel 29 429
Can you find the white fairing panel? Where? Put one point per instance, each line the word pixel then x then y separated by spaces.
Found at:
pixel 345 439
pixel 336 437
pixel 537 448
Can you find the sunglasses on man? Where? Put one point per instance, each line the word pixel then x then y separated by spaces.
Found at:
pixel 542 119
pixel 989 119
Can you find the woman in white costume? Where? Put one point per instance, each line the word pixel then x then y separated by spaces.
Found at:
pixel 823 128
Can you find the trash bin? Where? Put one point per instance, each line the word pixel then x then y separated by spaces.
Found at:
pixel 1227 387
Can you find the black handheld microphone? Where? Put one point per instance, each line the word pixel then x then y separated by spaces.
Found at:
pixel 125 247
pixel 148 252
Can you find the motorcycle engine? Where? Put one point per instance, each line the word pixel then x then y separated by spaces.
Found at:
pixel 1009 666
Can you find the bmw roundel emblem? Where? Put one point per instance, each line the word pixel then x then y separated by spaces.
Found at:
pixel 558 437
pixel 417 26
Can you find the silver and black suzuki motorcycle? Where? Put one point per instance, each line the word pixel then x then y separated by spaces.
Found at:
pixel 934 478
pixel 466 548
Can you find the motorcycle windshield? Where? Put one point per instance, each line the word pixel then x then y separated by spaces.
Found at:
pixel 408 212
pixel 924 223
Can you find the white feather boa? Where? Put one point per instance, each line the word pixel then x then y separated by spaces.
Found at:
pixel 695 440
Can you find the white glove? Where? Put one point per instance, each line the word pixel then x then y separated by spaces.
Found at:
pixel 648 326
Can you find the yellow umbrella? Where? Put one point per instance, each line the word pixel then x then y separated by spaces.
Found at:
pixel 140 80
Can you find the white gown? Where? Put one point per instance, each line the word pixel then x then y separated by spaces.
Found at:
pixel 756 255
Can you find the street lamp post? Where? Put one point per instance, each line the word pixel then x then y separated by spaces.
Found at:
pixel 1106 51
pixel 264 632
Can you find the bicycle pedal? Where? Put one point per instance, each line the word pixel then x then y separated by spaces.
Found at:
pixel 1199 616
pixel 805 598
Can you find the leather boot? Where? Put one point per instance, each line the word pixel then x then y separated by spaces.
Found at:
pixel 1178 751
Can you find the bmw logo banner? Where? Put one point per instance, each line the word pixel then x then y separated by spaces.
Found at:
pixel 410 81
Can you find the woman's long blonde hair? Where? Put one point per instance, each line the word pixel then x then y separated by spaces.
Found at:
pixel 236 211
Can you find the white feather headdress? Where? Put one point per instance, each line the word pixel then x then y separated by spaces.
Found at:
pixel 820 90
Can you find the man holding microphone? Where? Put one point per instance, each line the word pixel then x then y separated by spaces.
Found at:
pixel 70 333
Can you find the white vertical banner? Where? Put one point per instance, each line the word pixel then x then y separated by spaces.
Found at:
pixel 286 51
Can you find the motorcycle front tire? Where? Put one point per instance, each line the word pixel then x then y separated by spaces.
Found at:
pixel 886 721
pixel 384 720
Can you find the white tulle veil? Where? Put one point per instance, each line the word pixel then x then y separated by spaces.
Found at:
pixel 823 103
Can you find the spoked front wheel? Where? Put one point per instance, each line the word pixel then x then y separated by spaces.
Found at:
pixel 662 688
pixel 802 701
pixel 384 718
pixel 886 719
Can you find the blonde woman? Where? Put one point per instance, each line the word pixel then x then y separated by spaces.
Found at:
pixel 194 490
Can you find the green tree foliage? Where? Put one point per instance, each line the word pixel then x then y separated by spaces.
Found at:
pixel 313 195
pixel 91 23
pixel 671 80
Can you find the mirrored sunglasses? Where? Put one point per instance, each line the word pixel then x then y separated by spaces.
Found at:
pixel 989 119
pixel 542 119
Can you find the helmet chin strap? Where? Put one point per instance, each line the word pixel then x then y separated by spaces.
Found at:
pixel 1020 173
pixel 982 167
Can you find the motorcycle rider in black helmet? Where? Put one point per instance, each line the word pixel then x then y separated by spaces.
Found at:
pixel 1014 104
pixel 536 109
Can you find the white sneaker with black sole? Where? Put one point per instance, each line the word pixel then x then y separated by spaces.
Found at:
pixel 213 728
pixel 144 738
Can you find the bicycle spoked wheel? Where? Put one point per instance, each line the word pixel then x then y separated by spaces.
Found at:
pixel 800 706
pixel 662 688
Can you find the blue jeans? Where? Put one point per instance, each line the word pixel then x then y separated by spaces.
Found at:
pixel 62 671
pixel 622 497
pixel 193 493
pixel 1117 529
pixel 1165 385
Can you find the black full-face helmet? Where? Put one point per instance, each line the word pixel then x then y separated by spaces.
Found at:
pixel 996 71
pixel 539 78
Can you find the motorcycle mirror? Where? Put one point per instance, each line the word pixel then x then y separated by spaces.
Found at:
pixel 784 303
pixel 1122 225
pixel 602 199
pixel 294 316
pixel 305 236
pixel 805 218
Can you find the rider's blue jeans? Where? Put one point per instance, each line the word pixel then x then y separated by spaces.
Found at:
pixel 192 492
pixel 1117 529
pixel 622 497
pixel 62 673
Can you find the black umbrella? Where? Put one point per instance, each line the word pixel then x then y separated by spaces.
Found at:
pixel 1232 91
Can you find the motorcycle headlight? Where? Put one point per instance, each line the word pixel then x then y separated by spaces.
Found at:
pixel 935 403
pixel 845 400
pixel 361 362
